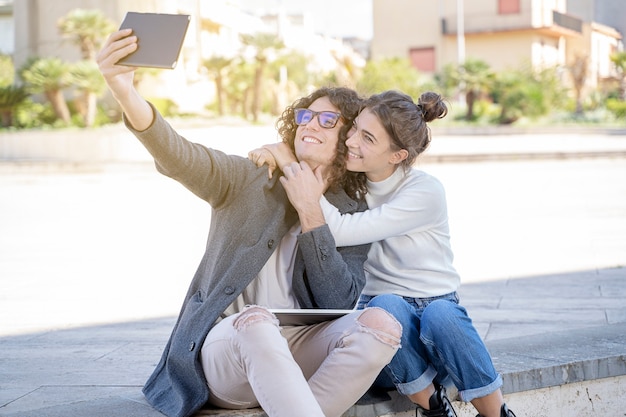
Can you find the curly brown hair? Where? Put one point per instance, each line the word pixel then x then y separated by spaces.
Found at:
pixel 349 103
pixel 405 121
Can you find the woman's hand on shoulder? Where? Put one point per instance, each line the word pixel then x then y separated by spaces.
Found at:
pixel 262 156
pixel 273 155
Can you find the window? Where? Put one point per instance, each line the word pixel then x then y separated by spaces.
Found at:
pixel 508 6
pixel 423 59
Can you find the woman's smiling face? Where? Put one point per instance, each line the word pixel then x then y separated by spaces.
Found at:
pixel 370 148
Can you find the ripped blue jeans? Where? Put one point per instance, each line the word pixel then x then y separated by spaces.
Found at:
pixel 439 344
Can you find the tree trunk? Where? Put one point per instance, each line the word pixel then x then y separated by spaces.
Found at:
pixel 91 108
pixel 256 96
pixel 6 117
pixel 470 98
pixel 59 105
pixel 219 90
pixel 579 101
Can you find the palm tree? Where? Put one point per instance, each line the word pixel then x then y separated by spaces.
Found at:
pixel 49 76
pixel 578 70
pixel 10 97
pixel 264 46
pixel 90 84
pixel 88 29
pixel 509 91
pixel 238 87
pixel 215 66
pixel 476 77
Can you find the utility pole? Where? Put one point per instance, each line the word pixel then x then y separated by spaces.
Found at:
pixel 460 40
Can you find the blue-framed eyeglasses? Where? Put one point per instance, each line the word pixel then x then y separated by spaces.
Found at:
pixel 326 119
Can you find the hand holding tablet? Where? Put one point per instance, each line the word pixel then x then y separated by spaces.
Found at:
pixel 159 38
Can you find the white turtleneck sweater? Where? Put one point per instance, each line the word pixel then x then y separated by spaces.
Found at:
pixel 407 224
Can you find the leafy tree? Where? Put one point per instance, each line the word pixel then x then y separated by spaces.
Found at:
pixel 294 77
pixel 49 76
pixel 216 66
pixel 264 46
pixel 239 87
pixel 508 93
pixel 474 78
pixel 296 64
pixel 526 93
pixel 347 70
pixel 389 74
pixel 619 60
pixel 550 89
pixel 617 107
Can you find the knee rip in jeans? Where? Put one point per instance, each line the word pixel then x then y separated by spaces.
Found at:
pixel 382 325
pixel 254 314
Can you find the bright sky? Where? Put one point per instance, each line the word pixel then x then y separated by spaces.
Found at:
pixel 332 17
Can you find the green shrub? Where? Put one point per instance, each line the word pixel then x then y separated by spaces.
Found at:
pixel 30 114
pixel 617 107
pixel 390 74
pixel 7 71
pixel 10 98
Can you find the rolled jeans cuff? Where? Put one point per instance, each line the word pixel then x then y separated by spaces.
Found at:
pixel 419 384
pixel 470 394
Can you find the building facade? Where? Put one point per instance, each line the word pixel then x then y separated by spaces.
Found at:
pixel 214 30
pixel 503 33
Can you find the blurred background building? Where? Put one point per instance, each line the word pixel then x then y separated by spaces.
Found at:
pixel 31 30
pixel 502 33
pixel 345 34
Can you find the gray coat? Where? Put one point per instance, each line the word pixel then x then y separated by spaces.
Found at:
pixel 250 215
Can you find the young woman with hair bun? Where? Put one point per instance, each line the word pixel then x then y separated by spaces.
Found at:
pixel 409 270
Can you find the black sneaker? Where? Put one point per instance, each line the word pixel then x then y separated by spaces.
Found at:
pixel 440 405
pixel 504 412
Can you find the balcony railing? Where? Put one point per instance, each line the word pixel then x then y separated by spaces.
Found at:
pixel 491 23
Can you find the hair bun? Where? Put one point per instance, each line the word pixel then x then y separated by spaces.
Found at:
pixel 432 106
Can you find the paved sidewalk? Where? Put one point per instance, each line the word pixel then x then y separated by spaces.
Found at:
pixel 89 292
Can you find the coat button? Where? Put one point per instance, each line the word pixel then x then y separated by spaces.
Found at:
pixel 229 290
pixel 192 346
pixel 270 243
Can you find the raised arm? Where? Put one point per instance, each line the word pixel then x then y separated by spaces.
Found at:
pixel 119 78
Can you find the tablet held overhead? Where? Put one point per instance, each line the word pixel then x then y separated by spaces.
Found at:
pixel 160 38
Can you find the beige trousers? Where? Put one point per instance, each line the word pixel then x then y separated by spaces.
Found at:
pixel 315 370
